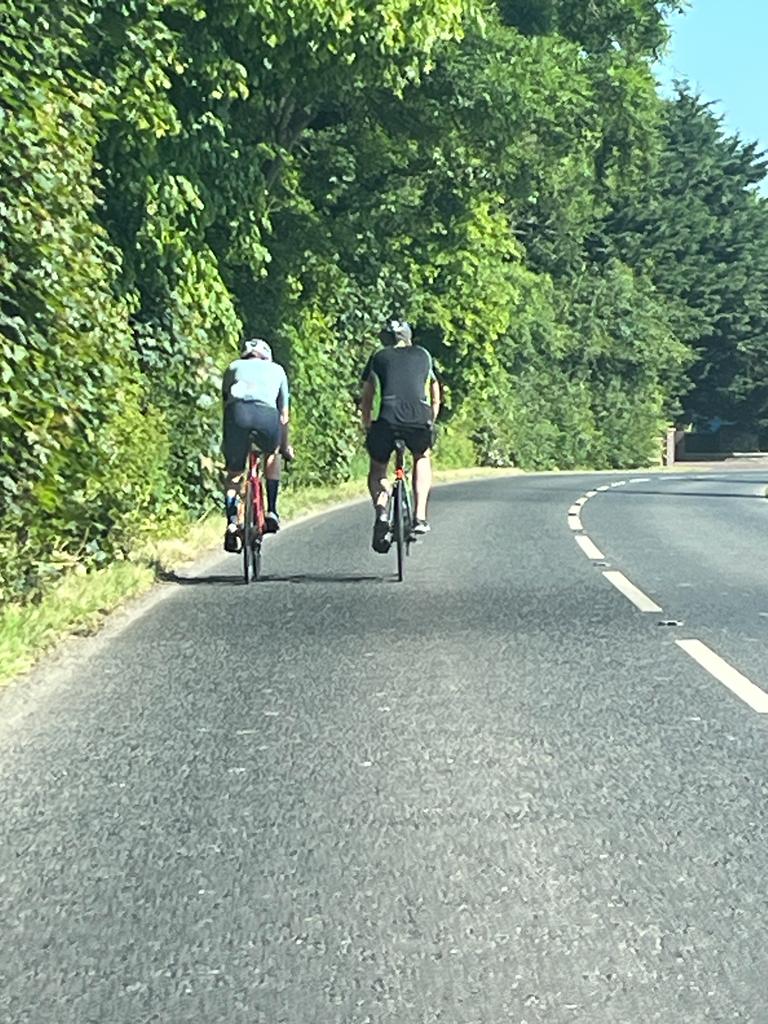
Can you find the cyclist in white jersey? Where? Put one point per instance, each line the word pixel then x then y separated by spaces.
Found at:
pixel 256 401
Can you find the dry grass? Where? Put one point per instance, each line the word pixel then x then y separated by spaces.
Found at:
pixel 77 605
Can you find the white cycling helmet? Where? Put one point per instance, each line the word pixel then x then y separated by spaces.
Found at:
pixel 256 347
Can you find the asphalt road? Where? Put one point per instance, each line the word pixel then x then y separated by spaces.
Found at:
pixel 498 792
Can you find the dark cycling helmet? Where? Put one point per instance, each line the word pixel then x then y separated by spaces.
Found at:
pixel 397 331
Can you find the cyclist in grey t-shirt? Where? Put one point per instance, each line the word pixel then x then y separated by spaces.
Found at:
pixel 410 403
pixel 256 401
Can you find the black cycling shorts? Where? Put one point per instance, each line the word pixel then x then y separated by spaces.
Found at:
pixel 241 419
pixel 382 436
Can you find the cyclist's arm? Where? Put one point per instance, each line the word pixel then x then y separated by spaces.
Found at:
pixel 226 384
pixel 284 401
pixel 366 400
pixel 434 389
pixel 434 394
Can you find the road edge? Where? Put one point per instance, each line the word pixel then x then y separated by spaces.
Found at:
pixel 82 638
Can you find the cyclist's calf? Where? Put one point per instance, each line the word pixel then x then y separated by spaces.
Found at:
pixel 378 485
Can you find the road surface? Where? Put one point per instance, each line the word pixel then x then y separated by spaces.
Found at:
pixel 499 792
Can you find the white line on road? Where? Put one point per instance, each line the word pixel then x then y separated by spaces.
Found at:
pixel 737 683
pixel 589 548
pixel 591 494
pixel 575 510
pixel 631 592
pixel 605 487
pixel 619 483
pixel 575 523
pixel 641 480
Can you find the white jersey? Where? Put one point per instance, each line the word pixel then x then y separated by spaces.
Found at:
pixel 258 380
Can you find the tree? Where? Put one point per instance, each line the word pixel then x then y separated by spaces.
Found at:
pixel 699 230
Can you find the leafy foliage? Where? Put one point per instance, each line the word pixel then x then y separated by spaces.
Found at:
pixel 699 229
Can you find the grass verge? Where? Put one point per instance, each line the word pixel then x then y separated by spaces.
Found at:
pixel 78 605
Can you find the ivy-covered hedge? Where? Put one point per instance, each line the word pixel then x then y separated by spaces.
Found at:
pixel 174 173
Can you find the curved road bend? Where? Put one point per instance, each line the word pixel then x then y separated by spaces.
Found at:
pixel 497 793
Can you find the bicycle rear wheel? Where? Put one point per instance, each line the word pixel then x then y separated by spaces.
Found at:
pixel 407 519
pixel 258 524
pixel 253 528
pixel 399 531
pixel 256 559
pixel 248 530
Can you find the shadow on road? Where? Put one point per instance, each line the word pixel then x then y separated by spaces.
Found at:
pixel 237 581
pixel 194 581
pixel 311 577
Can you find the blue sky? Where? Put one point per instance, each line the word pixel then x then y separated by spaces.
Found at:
pixel 721 47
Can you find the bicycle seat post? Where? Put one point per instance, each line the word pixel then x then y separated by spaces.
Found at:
pixel 399 458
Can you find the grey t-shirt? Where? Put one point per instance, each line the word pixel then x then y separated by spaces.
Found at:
pixel 403 373
pixel 256 380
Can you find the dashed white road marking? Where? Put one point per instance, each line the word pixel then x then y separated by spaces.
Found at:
pixel 752 695
pixel 589 548
pixel 726 674
pixel 631 592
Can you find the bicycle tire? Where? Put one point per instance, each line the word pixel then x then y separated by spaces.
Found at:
pixel 257 530
pixel 407 519
pixel 400 530
pixel 248 531
pixel 256 560
pixel 258 527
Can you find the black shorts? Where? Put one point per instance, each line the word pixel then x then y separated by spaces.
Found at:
pixel 241 419
pixel 382 436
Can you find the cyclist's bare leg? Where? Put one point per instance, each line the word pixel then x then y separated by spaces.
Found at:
pixel 272 471
pixel 233 479
pixel 272 466
pixel 380 490
pixel 422 482
pixel 378 485
pixel 233 512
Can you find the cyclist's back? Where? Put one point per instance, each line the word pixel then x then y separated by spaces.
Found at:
pixel 257 380
pixel 403 374
pixel 256 406
pixel 407 412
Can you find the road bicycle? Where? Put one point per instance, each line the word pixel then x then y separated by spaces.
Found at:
pixel 400 511
pixel 253 514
